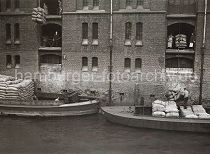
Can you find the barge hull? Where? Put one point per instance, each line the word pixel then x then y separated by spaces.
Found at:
pixel 114 115
pixel 74 109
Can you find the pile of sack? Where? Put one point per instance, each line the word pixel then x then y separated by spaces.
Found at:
pixel 188 112
pixel 11 89
pixel 158 108
pixel 200 112
pixel 39 15
pixel 164 109
pixel 171 109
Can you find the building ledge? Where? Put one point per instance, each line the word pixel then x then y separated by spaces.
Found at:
pixel 90 11
pixel 53 16
pixel 181 16
pixel 50 48
pixel 182 51
pixel 179 71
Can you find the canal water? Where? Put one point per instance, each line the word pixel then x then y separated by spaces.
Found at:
pixel 93 135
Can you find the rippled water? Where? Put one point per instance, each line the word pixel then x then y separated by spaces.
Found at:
pixel 93 135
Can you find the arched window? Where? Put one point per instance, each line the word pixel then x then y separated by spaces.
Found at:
pixel 95 31
pixel 8 5
pixel 95 64
pixel 84 64
pixel 17 4
pixel 128 28
pixel 138 63
pixel 85 30
pixel 127 64
pixel 139 29
pixel 51 35
pixel 17 33
pixel 8 61
pixel 17 61
pixel 84 61
pixel 8 33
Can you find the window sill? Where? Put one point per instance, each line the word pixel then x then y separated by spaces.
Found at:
pixel 17 66
pixel 9 66
pixel 8 42
pixel 85 42
pixel 127 70
pixel 139 7
pixel 17 10
pixel 85 69
pixel 128 7
pixel 95 69
pixel 95 8
pixel 85 8
pixel 95 42
pixel 139 43
pixel 17 42
pixel 138 71
pixel 127 42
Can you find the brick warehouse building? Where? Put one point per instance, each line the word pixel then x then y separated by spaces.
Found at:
pixel 76 35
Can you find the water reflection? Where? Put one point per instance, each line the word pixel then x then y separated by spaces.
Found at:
pixel 93 135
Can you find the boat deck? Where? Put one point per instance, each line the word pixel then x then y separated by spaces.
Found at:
pixel 121 115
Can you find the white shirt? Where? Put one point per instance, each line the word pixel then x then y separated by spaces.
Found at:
pixel 186 94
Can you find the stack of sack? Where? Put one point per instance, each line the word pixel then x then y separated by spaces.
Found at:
pixel 200 112
pixel 11 89
pixel 39 15
pixel 188 112
pixel 3 85
pixel 158 108
pixel 171 109
pixel 2 90
pixel 25 90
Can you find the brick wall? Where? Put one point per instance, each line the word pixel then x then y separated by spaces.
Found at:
pixel 27 49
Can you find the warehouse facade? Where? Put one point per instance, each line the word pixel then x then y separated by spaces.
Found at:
pixel 74 44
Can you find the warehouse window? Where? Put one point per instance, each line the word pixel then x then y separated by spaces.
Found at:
pixel 52 7
pixel 139 29
pixel 95 33
pixel 85 33
pixel 138 64
pixel 127 64
pixel 50 59
pixel 84 64
pixel 8 61
pixel 140 2
pixel 95 4
pixel 8 33
pixel 8 5
pixel 17 33
pixel 85 4
pixel 17 61
pixel 128 27
pixel 17 5
pixel 94 64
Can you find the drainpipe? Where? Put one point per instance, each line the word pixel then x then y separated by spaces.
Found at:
pixel 110 53
pixel 202 54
